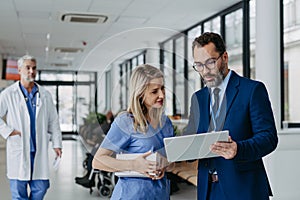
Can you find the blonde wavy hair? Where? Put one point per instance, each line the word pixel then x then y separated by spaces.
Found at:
pixel 139 82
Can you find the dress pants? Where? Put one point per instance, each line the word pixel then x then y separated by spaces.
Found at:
pixel 215 191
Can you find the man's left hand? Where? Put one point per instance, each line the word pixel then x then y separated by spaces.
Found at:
pixel 58 152
pixel 227 150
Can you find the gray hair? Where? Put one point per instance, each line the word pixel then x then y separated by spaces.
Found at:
pixel 25 57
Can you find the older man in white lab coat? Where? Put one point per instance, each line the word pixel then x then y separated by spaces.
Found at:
pixel 31 119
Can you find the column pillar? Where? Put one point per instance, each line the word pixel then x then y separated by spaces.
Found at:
pixel 267 52
pixel 267 65
pixel 152 54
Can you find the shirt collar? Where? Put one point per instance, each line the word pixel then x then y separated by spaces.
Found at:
pixel 25 92
pixel 224 83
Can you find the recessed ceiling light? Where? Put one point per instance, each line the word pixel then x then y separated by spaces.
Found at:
pixel 59 64
pixel 68 50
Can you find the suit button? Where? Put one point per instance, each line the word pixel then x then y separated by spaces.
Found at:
pixel 206 164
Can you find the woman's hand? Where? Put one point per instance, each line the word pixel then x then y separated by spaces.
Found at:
pixel 144 166
pixel 159 174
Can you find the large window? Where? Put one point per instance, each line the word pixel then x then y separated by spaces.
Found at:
pixel 213 25
pixel 126 69
pixel 174 66
pixel 291 69
pixel 234 40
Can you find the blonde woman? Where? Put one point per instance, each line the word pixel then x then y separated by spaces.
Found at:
pixel 139 130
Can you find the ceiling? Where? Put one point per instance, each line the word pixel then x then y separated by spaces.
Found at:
pixel 35 27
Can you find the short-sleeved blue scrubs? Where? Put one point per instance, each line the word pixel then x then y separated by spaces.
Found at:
pixel 122 138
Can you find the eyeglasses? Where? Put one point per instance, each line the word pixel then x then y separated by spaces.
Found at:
pixel 209 64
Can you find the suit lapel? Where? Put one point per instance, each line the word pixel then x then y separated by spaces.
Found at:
pixel 204 108
pixel 232 89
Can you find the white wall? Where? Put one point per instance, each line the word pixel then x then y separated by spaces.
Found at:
pixel 283 166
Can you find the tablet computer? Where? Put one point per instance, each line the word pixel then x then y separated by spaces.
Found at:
pixel 191 147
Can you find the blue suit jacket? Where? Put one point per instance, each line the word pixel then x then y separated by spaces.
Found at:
pixel 249 119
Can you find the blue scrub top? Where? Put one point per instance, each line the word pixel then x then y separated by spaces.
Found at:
pixel 30 99
pixel 122 138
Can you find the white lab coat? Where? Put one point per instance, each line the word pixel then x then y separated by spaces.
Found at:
pixel 13 106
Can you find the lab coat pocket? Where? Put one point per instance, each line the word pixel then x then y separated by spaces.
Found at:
pixel 15 142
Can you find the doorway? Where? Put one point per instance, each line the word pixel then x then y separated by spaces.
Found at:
pixel 74 100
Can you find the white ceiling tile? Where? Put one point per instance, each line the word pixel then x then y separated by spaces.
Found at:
pixel 35 26
pixel 33 15
pixel 115 7
pixel 127 20
pixel 145 8
pixel 34 5
pixel 72 5
pixel 6 6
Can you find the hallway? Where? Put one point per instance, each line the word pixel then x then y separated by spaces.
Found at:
pixel 62 183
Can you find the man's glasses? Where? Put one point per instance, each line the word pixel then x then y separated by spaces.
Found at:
pixel 209 64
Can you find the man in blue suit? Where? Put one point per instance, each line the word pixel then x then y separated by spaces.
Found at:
pixel 241 106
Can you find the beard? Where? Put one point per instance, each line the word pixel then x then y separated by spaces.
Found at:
pixel 28 78
pixel 218 77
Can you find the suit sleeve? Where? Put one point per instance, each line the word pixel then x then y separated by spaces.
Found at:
pixel 192 127
pixel 264 139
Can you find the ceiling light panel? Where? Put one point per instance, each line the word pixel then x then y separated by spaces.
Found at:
pixel 68 50
pixel 60 64
pixel 84 18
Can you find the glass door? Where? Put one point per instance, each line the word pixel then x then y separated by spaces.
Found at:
pixel 74 95
pixel 65 96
